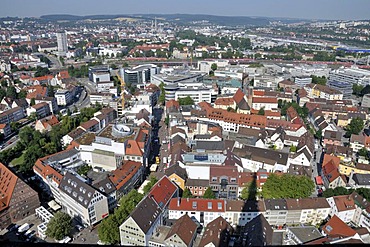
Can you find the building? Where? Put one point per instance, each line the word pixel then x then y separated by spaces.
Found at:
pixel 343 207
pixel 351 75
pixel 12 115
pixel 302 81
pixel 103 99
pixel 62 43
pixel 224 181
pixel 322 92
pixel 82 201
pixel 366 101
pixel 99 73
pixel 46 124
pixel 257 232
pixel 64 97
pixel 217 233
pixel 140 74
pixel 40 109
pixel 5 130
pixel 344 87
pixel 182 233
pixel 302 235
pixel 151 212
pixel 17 199
pixel 203 210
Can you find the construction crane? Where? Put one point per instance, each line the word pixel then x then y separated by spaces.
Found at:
pixel 123 84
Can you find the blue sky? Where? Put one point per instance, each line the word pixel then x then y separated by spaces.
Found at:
pixel 311 9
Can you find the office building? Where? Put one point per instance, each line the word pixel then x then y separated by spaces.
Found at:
pixel 351 75
pixel 344 87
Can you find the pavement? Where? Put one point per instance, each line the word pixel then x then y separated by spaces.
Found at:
pixel 33 221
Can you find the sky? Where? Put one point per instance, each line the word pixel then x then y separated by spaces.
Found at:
pixel 307 9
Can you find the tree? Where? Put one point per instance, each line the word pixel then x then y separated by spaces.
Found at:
pixel 59 226
pixel 187 193
pixel 209 194
pixel 261 111
pixel 318 134
pixel 149 185
pixel 22 94
pixel 363 152
pixel 293 149
pixel 186 101
pixel 319 80
pixel 357 89
pixel 355 126
pixel 33 116
pixel 108 230
pixel 249 191
pixel 11 92
pixel 287 186
pixel 214 67
pixel 32 102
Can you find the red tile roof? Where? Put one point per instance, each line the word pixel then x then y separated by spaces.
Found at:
pixel 344 203
pixel 172 103
pixel 8 180
pixel 122 175
pixel 264 100
pixel 133 148
pixel 200 204
pixel 335 227
pixel 163 191
pixel 36 91
pixel 238 96
pixel 224 101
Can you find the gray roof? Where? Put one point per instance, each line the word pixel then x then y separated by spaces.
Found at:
pixel 81 192
pixel 207 145
pixel 176 139
pixel 275 204
pixel 105 186
pixel 361 179
pixel 305 234
pixel 146 214
pixel 197 182
pixel 62 155
pixel 262 155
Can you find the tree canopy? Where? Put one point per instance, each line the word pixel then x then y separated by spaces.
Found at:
pixel 149 185
pixel 355 127
pixel 59 226
pixel 209 194
pixel 186 101
pixel 108 230
pixel 187 193
pixel 287 186
pixel 319 80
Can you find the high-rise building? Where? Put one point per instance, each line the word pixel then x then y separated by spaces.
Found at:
pixel 62 43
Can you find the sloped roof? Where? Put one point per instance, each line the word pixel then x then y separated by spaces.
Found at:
pixel 185 228
pixel 133 148
pixel 163 191
pixel 8 181
pixel 217 232
pixel 337 228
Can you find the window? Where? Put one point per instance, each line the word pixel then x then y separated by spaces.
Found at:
pixel 219 205
pixel 209 205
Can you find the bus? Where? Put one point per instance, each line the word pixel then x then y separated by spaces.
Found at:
pixel 157 160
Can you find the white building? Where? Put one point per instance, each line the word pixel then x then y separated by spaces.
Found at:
pixel 64 97
pixel 351 75
pixel 62 43
pixel 203 210
pixel 82 201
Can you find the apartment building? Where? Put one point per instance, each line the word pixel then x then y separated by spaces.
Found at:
pixel 344 87
pixel 101 98
pixel 12 115
pixel 323 92
pixel 41 110
pixel 343 207
pixel 203 210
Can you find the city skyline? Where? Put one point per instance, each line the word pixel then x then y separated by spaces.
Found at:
pixel 314 9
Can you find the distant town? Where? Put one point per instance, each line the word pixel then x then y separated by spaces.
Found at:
pixel 181 131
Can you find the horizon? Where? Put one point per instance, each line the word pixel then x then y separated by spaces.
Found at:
pixel 286 9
